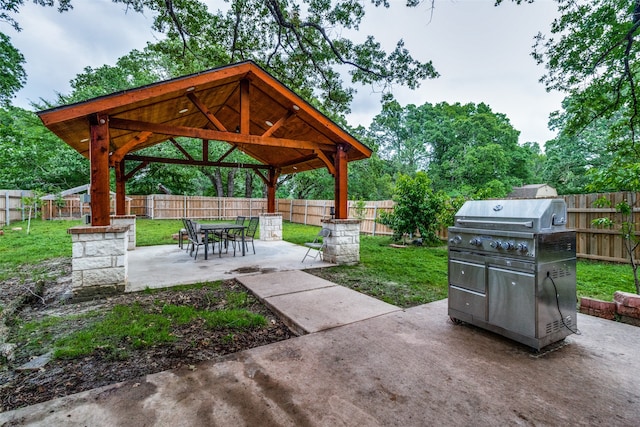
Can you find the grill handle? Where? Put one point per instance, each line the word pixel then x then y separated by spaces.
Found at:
pixel 528 224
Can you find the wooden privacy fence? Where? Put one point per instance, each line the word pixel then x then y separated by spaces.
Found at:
pixel 311 212
pixel 591 242
pixel 12 207
pixel 604 244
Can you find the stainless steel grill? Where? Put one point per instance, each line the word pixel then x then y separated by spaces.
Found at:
pixel 512 269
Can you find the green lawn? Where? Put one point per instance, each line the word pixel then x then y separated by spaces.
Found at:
pixel 405 277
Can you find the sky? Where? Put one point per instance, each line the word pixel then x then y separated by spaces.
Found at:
pixel 482 52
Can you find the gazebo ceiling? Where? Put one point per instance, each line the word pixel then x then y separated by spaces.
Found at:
pixel 240 104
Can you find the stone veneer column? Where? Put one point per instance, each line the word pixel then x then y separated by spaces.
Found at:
pixel 130 221
pixel 99 264
pixel 343 245
pixel 270 226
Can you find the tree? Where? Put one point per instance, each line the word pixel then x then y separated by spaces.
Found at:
pixel 572 158
pixel 418 208
pixel 594 57
pixel 299 41
pixel 31 157
pixel 12 74
pixel 398 131
pixel 462 147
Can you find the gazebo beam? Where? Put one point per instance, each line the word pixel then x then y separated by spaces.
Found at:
pixel 121 208
pixel 341 207
pixel 271 190
pixel 99 161
pixel 230 137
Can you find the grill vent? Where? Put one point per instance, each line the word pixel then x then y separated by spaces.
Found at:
pixel 557 325
pixel 563 271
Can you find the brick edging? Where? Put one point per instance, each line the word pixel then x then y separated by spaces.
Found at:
pixel 624 307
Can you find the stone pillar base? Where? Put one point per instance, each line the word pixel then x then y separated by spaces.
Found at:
pixel 99 262
pixel 130 221
pixel 343 245
pixel 270 226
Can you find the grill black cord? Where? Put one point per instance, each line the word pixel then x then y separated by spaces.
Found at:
pixel 555 288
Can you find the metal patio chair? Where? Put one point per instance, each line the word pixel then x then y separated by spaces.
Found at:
pixel 195 237
pixel 249 235
pixel 318 244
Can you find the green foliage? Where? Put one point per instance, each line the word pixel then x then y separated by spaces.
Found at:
pixel 31 157
pixel 627 227
pixel 12 74
pixel 464 148
pixel 417 208
pixel 360 209
pixel 593 55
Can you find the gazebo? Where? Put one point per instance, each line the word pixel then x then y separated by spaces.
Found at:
pixel 240 104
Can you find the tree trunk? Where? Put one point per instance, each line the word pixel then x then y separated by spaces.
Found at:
pixel 215 178
pixel 230 182
pixel 248 184
pixel 218 183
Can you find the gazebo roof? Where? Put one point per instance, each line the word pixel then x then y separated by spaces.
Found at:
pixel 240 104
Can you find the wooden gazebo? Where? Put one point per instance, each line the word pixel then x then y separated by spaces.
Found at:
pixel 240 104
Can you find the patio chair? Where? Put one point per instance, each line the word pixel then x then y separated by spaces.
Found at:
pixel 249 235
pixel 195 237
pixel 183 234
pixel 318 244
pixel 223 235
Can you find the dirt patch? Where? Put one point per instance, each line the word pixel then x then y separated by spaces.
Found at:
pixel 43 292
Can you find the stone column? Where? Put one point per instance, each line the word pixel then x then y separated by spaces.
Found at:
pixel 343 245
pixel 270 226
pixel 99 261
pixel 130 221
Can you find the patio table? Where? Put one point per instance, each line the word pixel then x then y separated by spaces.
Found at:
pixel 220 226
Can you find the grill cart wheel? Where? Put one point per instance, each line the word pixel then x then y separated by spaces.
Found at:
pixel 456 321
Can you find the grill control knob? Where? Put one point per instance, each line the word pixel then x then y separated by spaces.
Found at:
pixel 455 240
pixel 522 247
pixel 510 246
pixel 496 244
pixel 475 242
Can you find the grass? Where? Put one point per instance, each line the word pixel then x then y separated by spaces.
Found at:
pixel 128 327
pixel 407 276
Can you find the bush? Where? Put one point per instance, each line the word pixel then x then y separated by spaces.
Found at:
pixel 417 208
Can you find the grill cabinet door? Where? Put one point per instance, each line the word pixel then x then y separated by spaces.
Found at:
pixel 512 300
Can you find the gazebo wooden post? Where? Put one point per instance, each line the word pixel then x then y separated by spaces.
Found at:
pixel 341 207
pixel 99 162
pixel 272 179
pixel 121 208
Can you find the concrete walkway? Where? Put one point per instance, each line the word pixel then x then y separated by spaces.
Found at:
pixel 307 303
pixel 381 367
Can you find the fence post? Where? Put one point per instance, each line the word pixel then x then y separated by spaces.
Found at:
pixel 7 210
pixel 306 207
pixel 375 215
pixel 291 210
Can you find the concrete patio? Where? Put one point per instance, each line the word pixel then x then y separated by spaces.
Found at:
pixel 168 265
pixel 361 362
pixel 404 368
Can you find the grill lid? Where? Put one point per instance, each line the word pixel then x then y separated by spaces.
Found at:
pixel 532 215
